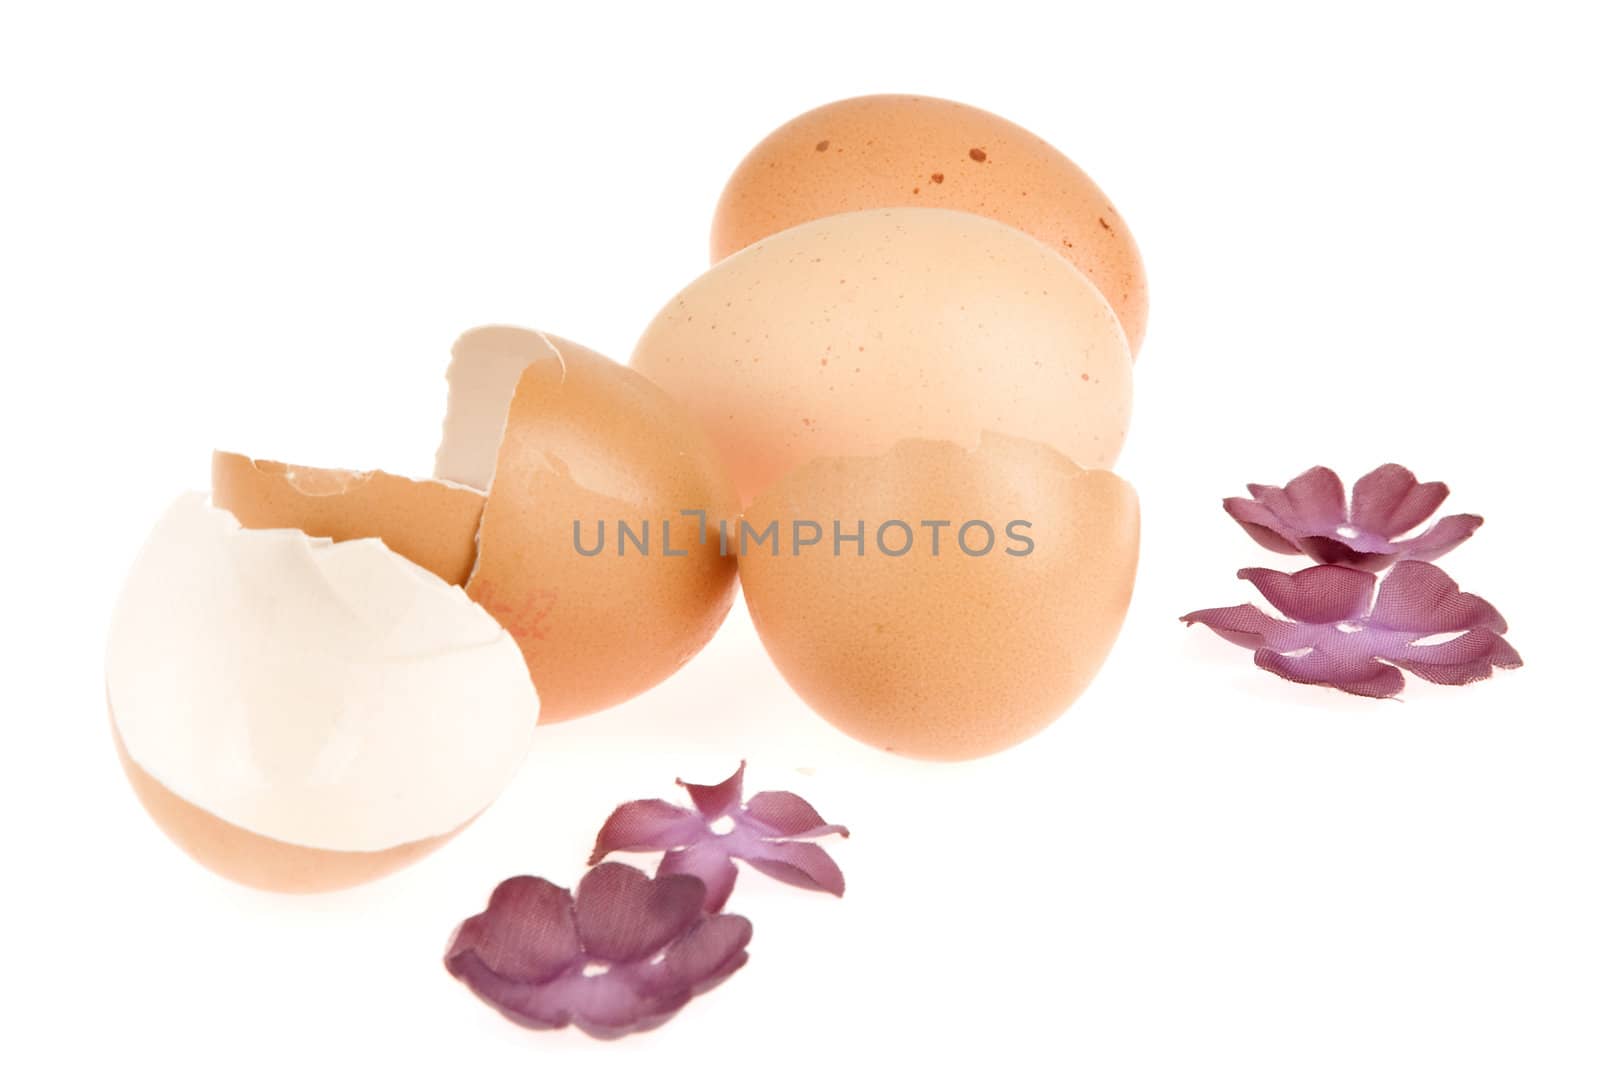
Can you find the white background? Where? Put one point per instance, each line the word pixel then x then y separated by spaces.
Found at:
pixel 1370 234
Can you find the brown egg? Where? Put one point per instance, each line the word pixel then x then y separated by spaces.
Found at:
pixel 432 524
pixel 591 451
pixel 257 861
pixel 903 151
pixel 844 335
pixel 941 642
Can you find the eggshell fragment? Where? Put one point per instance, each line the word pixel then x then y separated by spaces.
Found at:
pixel 845 335
pixel 943 652
pixel 432 524
pixel 588 444
pixel 257 861
pixel 918 151
pixel 485 366
pixel 323 696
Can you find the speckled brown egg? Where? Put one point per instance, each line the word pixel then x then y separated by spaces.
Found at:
pixel 844 335
pixel 898 151
pixel 983 593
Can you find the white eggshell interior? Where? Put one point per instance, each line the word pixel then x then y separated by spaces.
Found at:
pixel 335 696
pixel 485 365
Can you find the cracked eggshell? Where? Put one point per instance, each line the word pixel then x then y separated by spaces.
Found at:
pixel 940 654
pixel 919 151
pixel 845 335
pixel 433 524
pixel 587 443
pixel 300 714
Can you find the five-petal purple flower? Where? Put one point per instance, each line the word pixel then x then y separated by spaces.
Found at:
pixel 624 956
pixel 769 832
pixel 1336 634
pixel 1309 516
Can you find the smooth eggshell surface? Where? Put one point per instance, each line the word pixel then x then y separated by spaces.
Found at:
pixel 845 335
pixel 904 151
pixel 590 444
pixel 937 653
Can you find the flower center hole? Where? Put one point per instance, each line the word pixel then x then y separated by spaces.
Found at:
pixel 596 968
pixel 1347 627
pixel 1347 531
pixel 722 825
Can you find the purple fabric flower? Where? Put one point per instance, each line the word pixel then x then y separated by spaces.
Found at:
pixel 1336 634
pixel 768 832
pixel 1309 516
pixel 623 957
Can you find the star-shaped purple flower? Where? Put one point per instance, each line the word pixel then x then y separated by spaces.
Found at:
pixel 769 832
pixel 1309 516
pixel 624 956
pixel 1336 634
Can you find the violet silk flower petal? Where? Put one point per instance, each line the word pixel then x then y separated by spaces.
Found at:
pixel 622 956
pixel 1311 517
pixel 1335 632
pixel 771 832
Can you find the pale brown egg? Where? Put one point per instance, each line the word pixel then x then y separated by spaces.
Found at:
pixel 592 551
pixel 433 524
pixel 845 335
pixel 902 151
pixel 984 592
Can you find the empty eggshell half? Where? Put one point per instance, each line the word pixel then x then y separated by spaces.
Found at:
pixel 257 861
pixel 304 714
pixel 942 642
pixel 433 524
pixel 845 335
pixel 919 151
pixel 593 550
